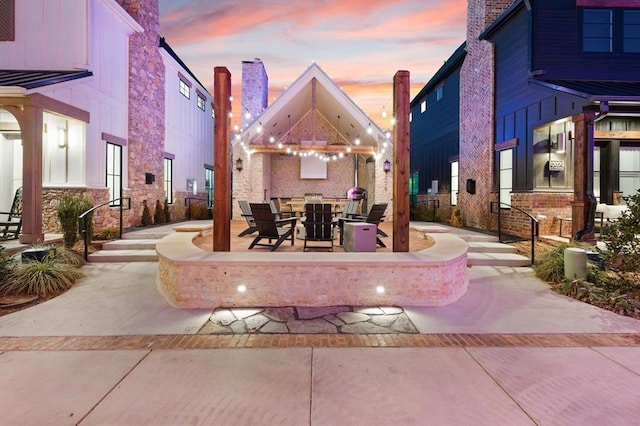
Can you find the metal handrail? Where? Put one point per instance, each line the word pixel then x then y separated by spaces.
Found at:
pixel 187 202
pixel 83 219
pixel 535 225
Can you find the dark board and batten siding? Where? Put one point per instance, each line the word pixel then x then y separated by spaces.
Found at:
pixel 435 134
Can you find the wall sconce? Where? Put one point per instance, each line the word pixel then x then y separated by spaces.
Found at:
pixel 387 166
pixel 239 164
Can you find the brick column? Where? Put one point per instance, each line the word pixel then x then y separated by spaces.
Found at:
pixel 477 109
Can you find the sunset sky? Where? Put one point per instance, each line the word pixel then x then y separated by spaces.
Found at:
pixel 360 44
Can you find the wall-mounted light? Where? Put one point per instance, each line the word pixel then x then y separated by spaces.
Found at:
pixel 239 164
pixel 387 166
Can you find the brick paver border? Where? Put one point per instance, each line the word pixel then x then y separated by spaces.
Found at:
pixel 182 341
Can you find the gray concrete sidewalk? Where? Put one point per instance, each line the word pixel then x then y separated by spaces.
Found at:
pixel 495 385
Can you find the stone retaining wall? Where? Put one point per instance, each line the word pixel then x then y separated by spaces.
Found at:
pixel 189 277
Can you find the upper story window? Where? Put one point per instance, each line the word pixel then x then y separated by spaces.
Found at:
pixel 423 106
pixel 200 102
pixel 185 89
pixel 631 32
pixel 7 20
pixel 597 30
pixel 439 93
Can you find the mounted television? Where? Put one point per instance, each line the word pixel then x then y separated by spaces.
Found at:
pixel 312 167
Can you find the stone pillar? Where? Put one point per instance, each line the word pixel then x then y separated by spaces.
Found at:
pixel 145 148
pixel 477 109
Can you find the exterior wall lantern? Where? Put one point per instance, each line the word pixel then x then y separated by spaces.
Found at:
pixel 239 164
pixel 387 166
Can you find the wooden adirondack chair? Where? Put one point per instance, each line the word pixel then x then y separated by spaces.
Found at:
pixel 271 228
pixel 318 226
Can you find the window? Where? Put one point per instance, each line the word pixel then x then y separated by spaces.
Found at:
pixel 114 173
pixel 597 30
pixel 208 185
pixel 185 89
pixel 423 106
pixel 439 93
pixel 200 100
pixel 631 32
pixel 629 170
pixel 7 20
pixel 410 117
pixel 506 176
pixel 454 183
pixel 168 180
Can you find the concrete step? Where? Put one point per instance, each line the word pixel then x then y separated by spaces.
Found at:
pixel 490 247
pixel 105 256
pixel 478 238
pixel 147 244
pixel 147 234
pixel 497 259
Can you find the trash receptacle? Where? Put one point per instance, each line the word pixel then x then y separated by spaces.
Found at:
pixel 575 263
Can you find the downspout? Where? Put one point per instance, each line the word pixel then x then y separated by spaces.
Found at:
pixel 590 222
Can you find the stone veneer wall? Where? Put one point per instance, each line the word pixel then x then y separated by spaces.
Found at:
pixel 145 147
pixel 189 277
pixel 105 217
pixel 477 113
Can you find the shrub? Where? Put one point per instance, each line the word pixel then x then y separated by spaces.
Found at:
pixel 69 207
pixel 41 278
pixel 6 266
pixel 200 212
pixel 423 213
pixel 108 233
pixel 622 238
pixel 158 214
pixel 69 257
pixel 146 214
pixel 456 219
pixel 167 214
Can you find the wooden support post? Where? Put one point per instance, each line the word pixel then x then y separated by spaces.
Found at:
pixel 401 163
pixel 222 160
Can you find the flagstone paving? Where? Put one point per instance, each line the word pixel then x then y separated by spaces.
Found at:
pixel 307 320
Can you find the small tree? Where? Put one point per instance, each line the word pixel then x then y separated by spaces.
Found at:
pixel 622 238
pixel 167 214
pixel 158 214
pixel 146 214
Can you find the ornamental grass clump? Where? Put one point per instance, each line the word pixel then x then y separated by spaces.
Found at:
pixel 43 279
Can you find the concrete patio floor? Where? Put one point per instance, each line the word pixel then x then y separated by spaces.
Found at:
pixel 511 351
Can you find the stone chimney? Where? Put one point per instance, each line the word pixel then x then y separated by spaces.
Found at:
pixel 255 89
pixel 477 114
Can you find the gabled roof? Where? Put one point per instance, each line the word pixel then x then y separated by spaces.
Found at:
pixel 34 79
pixel 454 61
pixel 297 101
pixel 164 45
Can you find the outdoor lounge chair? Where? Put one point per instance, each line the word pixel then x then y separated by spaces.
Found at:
pixel 271 228
pixel 318 226
pixel 10 228
pixel 246 213
pixel 375 216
